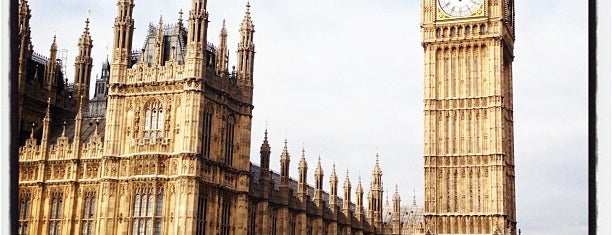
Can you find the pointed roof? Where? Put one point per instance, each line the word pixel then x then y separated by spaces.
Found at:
pixel 85 37
pixel 303 164
pixel 377 170
pixel 247 23
pixel 359 188
pixel 285 154
pixel 396 195
pixel 223 32
pixel 54 44
pixel 319 171
pixel 333 177
pixel 347 180
pixel 265 146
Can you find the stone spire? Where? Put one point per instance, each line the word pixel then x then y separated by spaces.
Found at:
pixel 377 193
pixel 284 161
pixel 222 52
pixel 303 172
pixel 78 122
pixel 346 205
pixel 196 39
pixel 50 73
pixel 333 189
pixel 246 51
pixel 264 161
pixel 264 157
pixel 318 195
pixel 124 31
pixel 44 143
pixel 82 67
pixel 159 43
pixel 396 201
pixel 396 211
pixel 359 199
pixel 25 42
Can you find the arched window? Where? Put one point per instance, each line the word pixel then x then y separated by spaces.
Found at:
pixel 229 141
pixel 154 119
pixel 148 210
pixel 89 210
pixel 56 213
pixel 207 132
pixel 24 212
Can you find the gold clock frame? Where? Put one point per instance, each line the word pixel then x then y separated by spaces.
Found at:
pixel 480 12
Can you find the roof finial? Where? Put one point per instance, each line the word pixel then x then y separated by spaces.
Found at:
pixel 64 129
pixel 87 20
pixel 48 114
pixel 32 133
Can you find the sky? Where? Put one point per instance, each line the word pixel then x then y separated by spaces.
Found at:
pixel 343 79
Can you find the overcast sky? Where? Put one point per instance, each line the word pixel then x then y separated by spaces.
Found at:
pixel 344 79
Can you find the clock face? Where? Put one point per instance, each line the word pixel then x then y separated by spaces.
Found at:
pixel 460 8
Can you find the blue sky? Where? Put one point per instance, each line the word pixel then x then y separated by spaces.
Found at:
pixel 344 79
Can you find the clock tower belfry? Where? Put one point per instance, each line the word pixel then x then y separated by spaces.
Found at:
pixel 469 137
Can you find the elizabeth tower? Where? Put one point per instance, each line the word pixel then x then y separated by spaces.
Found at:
pixel 469 146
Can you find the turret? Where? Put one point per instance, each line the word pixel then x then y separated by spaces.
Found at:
pixel 346 205
pixel 124 31
pixel 159 43
pixel 377 193
pixel 44 143
pixel 359 199
pixel 246 53
pixel 333 189
pixel 196 39
pixel 303 172
pixel 264 151
pixel 222 53
pixel 82 67
pixel 50 73
pixel 25 42
pixel 100 90
pixel 77 127
pixel 396 205
pixel 284 162
pixel 318 194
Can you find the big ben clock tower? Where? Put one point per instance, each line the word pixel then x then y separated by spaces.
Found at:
pixel 469 138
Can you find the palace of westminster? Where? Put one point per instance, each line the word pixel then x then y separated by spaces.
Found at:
pixel 164 145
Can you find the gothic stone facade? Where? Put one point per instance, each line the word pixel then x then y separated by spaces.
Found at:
pixel 469 147
pixel 171 154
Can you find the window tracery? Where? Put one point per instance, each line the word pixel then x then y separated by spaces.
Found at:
pixel 147 211
pixel 154 120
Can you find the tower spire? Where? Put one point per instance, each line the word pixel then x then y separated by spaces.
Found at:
pixel 285 158
pixel 246 51
pixel 45 133
pixel 82 66
pixel 124 30
pixel 222 52
pixel 196 38
pixel 50 73
pixel 159 42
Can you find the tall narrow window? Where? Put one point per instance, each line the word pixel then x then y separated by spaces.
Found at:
pixel 148 211
pixel 202 209
pixel 273 222
pixel 252 218
pixel 154 120
pixel 229 141
pixel 25 201
pixel 56 213
pixel 225 217
pixel 89 210
pixel 206 132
